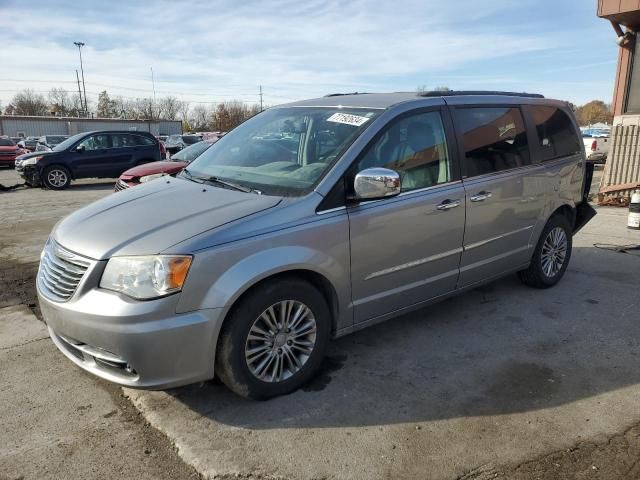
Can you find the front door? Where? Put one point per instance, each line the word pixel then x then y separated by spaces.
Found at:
pixel 92 160
pixel 505 192
pixel 406 249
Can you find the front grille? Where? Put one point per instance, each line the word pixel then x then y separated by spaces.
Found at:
pixel 60 272
pixel 120 185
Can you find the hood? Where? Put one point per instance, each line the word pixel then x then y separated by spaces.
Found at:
pixel 9 148
pixel 154 216
pixel 155 167
pixel 34 154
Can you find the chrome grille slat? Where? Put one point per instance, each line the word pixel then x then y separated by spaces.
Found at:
pixel 74 277
pixel 60 272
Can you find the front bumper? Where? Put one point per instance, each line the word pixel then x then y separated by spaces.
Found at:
pixel 132 343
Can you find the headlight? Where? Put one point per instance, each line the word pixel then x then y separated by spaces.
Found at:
pixel 31 161
pixel 146 277
pixel 148 178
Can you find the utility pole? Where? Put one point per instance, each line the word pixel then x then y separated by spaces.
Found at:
pixel 79 92
pixel 260 97
pixel 80 45
pixel 153 83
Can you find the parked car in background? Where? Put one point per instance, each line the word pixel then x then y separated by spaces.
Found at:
pixel 150 171
pixel 29 143
pixel 162 137
pixel 101 154
pixel 16 139
pixel 256 254
pixel 47 142
pixel 9 151
pixel 175 143
pixel 596 144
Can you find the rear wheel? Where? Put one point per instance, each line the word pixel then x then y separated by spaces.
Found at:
pixel 274 340
pixel 551 256
pixel 56 177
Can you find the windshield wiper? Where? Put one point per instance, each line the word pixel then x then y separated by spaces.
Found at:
pixel 219 181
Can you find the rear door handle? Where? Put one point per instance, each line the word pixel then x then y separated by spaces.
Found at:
pixel 448 204
pixel 481 197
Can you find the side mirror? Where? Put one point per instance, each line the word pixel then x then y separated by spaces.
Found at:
pixel 376 183
pixel 80 148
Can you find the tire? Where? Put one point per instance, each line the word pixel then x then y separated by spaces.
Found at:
pixel 56 177
pixel 552 254
pixel 248 377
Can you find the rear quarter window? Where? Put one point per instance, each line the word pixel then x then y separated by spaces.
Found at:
pixel 144 141
pixel 557 137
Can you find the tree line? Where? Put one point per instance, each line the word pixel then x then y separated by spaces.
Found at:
pixel 200 117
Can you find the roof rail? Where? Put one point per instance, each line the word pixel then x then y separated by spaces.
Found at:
pixel 343 94
pixel 454 93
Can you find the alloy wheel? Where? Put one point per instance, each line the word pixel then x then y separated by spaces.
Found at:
pixel 280 341
pixel 554 252
pixel 57 178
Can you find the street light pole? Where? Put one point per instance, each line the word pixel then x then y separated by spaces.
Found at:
pixel 84 88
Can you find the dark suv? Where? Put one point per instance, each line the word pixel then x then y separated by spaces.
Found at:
pixel 104 154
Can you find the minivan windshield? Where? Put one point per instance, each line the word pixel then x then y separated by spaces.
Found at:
pixel 282 151
pixel 68 142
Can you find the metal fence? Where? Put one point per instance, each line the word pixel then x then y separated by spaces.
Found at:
pixel 16 126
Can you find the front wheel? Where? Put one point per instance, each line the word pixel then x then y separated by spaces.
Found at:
pixel 274 340
pixel 551 256
pixel 56 177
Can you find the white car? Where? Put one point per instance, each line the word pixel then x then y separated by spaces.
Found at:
pixel 596 144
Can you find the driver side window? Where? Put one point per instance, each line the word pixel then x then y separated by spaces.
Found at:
pixel 95 142
pixel 414 146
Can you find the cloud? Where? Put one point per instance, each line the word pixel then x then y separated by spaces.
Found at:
pixel 209 51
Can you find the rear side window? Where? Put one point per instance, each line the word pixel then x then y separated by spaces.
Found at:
pixel 123 140
pixel 556 134
pixel 143 141
pixel 494 139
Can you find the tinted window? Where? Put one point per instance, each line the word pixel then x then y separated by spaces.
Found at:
pixel 6 142
pixel 494 139
pixel 143 141
pixel 556 133
pixel 191 139
pixel 123 140
pixel 415 147
pixel 633 92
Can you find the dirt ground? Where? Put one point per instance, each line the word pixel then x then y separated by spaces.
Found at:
pixel 27 217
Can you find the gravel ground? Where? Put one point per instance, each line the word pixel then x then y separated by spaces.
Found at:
pixel 57 422
pixel 105 437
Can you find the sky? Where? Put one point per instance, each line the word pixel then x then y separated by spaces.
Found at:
pixel 207 52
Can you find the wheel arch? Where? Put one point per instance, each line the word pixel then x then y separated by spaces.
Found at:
pixel 57 164
pixel 316 279
pixel 567 211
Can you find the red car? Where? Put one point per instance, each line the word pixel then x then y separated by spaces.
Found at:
pixel 9 151
pixel 150 171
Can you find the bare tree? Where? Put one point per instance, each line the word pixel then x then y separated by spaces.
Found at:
pixel 27 102
pixel 199 119
pixel 61 101
pixel 169 108
pixel 144 108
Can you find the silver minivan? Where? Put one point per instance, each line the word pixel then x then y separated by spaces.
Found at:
pixel 307 222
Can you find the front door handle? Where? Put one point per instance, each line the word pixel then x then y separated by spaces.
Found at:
pixel 481 197
pixel 448 204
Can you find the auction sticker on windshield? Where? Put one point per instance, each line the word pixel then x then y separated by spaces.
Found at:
pixel 347 119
